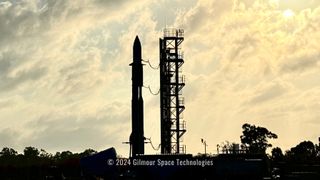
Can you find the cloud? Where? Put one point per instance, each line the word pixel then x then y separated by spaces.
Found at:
pixel 6 103
pixel 60 130
pixel 246 57
pixel 268 94
pixel 303 62
pixel 64 70
pixel 8 137
pixel 55 63
pixel 298 5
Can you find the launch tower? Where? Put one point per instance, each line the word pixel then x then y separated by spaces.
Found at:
pixel 172 82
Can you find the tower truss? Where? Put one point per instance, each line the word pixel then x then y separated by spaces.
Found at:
pixel 172 82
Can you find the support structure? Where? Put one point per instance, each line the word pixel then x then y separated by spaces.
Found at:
pixel 173 126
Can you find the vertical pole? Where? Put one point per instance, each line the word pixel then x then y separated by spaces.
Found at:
pixel 205 148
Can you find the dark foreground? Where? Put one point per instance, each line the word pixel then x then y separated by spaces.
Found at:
pixel 105 165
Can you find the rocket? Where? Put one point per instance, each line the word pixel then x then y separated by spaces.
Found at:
pixel 137 135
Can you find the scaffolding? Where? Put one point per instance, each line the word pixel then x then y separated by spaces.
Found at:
pixel 172 82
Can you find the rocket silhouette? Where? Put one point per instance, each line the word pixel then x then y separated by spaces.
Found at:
pixel 137 135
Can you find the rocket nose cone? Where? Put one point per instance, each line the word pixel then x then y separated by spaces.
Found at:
pixel 137 42
pixel 137 49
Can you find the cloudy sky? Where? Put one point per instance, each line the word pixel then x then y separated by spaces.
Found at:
pixel 65 81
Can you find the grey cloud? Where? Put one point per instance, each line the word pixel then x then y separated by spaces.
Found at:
pixel 64 10
pixel 78 78
pixel 197 19
pixel 9 61
pixel 23 37
pixel 242 46
pixel 204 14
pixel 108 126
pixel 74 139
pixel 8 137
pixel 9 83
pixel 17 22
pixel 110 2
pixel 4 66
pixel 268 94
pixel 60 25
pixel 57 136
pixel 5 5
pixel 57 11
pixel 301 63
pixel 163 11
pixel 114 113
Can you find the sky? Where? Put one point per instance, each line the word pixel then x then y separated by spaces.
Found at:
pixel 65 79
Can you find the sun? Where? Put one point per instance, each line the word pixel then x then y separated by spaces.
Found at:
pixel 288 13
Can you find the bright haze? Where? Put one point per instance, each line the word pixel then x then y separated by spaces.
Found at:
pixel 65 79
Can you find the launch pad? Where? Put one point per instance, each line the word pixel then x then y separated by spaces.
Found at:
pixel 173 162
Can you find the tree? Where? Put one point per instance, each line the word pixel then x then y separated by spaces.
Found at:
pixel 255 138
pixel 44 154
pixel 31 152
pixel 305 150
pixel 276 154
pixel 8 152
pixel 63 155
pixel 88 152
pixel 229 148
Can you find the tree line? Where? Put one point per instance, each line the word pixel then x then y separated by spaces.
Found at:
pixel 38 164
pixel 32 155
pixel 256 138
pixel 34 163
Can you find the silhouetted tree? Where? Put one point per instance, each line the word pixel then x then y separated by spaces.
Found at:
pixel 64 155
pixel 255 138
pixel 39 164
pixel 8 156
pixel 87 152
pixel 304 151
pixel 229 148
pixel 276 154
pixel 31 152
pixel 45 154
pixel 8 152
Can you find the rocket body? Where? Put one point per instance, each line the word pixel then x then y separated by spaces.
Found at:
pixel 137 134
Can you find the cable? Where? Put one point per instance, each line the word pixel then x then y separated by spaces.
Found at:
pixel 156 149
pixel 155 68
pixel 151 90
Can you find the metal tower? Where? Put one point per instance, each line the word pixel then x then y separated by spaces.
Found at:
pixel 171 84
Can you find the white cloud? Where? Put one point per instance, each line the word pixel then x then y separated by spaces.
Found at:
pixel 64 70
pixel 252 48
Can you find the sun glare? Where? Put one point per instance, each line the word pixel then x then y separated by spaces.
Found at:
pixel 288 13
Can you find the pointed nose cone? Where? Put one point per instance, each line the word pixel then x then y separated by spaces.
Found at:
pixel 137 42
pixel 137 50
